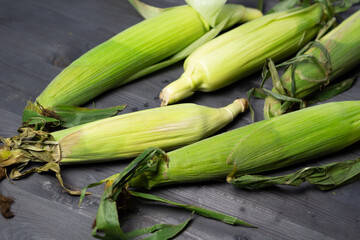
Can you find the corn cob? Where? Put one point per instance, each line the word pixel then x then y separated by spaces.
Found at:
pixel 119 137
pixel 262 146
pixel 242 51
pixel 116 61
pixel 343 48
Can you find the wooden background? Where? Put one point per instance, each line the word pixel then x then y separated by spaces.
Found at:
pixel 38 38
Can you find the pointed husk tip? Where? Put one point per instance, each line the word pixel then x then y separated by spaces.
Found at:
pixel 181 88
pixel 237 107
pixel 176 91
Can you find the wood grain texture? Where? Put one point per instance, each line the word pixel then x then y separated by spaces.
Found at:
pixel 39 38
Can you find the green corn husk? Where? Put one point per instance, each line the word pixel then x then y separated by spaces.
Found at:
pixel 107 218
pixel 111 63
pixel 262 146
pixel 259 147
pixel 115 138
pixel 342 45
pixel 167 36
pixel 242 51
pixel 325 177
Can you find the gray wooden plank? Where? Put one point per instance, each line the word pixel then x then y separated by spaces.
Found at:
pixel 39 38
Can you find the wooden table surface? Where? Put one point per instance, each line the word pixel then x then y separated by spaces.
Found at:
pixel 39 38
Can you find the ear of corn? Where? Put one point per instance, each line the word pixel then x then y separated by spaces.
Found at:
pixel 115 138
pixel 312 74
pixel 262 146
pixel 134 53
pixel 111 63
pixel 128 135
pixel 243 50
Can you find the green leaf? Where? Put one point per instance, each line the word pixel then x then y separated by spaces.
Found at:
pixel 325 177
pixel 281 97
pixel 107 220
pixel 258 93
pixel 343 5
pixel 251 93
pixel 330 24
pixel 143 231
pixel 71 116
pixel 301 56
pixel 168 232
pixel 330 91
pixel 145 10
pixel 275 77
pixel 338 5
pixel 32 117
pixel 208 9
pixel 83 191
pixel 327 64
pixel 284 5
pixel 201 211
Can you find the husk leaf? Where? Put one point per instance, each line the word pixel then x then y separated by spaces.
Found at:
pixel 107 220
pixel 324 177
